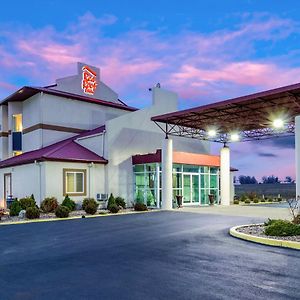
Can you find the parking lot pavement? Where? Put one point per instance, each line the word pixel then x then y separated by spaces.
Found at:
pixel 162 255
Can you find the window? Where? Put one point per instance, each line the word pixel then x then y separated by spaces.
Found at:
pixel 74 182
pixel 17 123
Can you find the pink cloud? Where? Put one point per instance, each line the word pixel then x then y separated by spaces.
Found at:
pixel 198 66
pixel 249 73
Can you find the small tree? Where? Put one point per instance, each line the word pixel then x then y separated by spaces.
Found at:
pixel 294 206
pixel 111 201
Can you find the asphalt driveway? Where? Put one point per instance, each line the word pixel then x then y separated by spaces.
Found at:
pixel 162 255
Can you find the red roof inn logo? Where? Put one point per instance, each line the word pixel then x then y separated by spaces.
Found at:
pixel 88 82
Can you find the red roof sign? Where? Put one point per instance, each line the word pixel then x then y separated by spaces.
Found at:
pixel 89 80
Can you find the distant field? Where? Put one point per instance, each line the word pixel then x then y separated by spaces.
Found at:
pixel 285 190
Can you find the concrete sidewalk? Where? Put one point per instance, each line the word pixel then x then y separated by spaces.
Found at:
pixel 241 211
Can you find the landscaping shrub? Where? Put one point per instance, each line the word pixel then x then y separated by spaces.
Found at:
pixel 247 201
pixel 15 208
pixel 243 198
pixel 70 204
pixel 279 199
pixel 32 213
pixel 120 202
pixel 114 209
pixel 139 197
pixel 270 222
pixel 282 228
pixel 62 211
pixel 27 202
pixel 90 205
pixel 236 202
pixel 111 201
pixel 140 207
pixel 262 200
pixel 49 205
pixel 255 200
pixel 252 196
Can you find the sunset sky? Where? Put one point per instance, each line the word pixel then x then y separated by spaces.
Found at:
pixel 206 51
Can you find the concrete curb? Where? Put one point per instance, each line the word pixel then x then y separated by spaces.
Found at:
pixel 261 240
pixel 74 218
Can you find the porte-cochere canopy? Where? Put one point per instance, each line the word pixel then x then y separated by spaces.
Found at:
pixel 253 117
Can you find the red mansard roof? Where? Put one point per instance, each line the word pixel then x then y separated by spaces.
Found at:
pixel 67 150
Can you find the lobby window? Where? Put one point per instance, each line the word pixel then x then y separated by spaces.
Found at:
pixel 74 182
pixel 17 134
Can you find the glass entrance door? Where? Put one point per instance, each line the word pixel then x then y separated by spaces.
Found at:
pixel 190 189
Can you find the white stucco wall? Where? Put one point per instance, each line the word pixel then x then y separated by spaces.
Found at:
pixel 94 143
pixel 46 180
pixel 25 181
pixel 135 133
pixel 60 111
pixel 54 179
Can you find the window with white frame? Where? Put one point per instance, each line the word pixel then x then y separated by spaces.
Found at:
pixel 75 182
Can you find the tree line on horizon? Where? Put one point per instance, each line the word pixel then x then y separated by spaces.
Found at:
pixel 244 179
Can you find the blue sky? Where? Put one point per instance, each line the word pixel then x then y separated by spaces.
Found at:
pixel 204 50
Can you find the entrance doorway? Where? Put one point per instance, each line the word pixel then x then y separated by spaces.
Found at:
pixel 7 186
pixel 190 189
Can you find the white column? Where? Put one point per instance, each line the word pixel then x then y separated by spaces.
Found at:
pixel 157 185
pixel 166 168
pixel 225 175
pixel 297 153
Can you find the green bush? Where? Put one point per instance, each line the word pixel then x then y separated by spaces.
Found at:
pixel 282 228
pixel 27 202
pixel 247 201
pixel 114 209
pixel 252 196
pixel 255 200
pixel 32 213
pixel 62 211
pixel 90 206
pixel 243 198
pixel 15 208
pixel 262 200
pixel 270 222
pixel 120 202
pixel 111 201
pixel 139 197
pixel 140 207
pixel 279 199
pixel 70 204
pixel 236 202
pixel 49 205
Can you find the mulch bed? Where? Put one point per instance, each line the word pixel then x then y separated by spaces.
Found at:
pixel 258 230
pixel 76 213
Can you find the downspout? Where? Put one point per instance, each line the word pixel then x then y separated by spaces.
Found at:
pixel 37 163
pixel 90 165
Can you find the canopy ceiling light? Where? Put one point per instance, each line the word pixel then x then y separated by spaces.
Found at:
pixel 211 132
pixel 278 123
pixel 234 137
pixel 258 116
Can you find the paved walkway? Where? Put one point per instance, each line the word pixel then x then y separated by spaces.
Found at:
pixel 255 211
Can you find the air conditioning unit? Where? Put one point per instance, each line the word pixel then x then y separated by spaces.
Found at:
pixel 102 197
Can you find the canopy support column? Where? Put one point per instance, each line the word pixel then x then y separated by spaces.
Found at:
pixel 297 154
pixel 225 178
pixel 167 166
